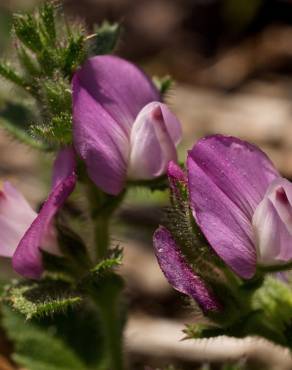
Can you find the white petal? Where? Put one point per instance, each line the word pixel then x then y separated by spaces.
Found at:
pixel 16 216
pixel 272 222
pixel 152 144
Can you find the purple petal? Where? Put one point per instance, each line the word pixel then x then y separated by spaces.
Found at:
pixel 175 173
pixel 99 141
pixel 179 273
pixel 272 223
pixel 116 86
pixel 108 94
pixel 27 259
pixel 64 165
pixel 152 146
pixel 16 216
pixel 227 179
pixel 238 168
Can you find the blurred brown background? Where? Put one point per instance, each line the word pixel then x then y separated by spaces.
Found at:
pixel 232 63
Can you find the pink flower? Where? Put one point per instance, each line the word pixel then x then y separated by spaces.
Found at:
pixel 23 232
pixel 121 129
pixel 240 202
pixel 16 216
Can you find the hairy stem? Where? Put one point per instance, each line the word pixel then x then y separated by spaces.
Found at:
pixel 106 293
pixel 102 206
pixel 113 335
pixel 101 236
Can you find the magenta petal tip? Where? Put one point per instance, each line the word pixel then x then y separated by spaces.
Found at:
pixel 27 259
pixel 179 273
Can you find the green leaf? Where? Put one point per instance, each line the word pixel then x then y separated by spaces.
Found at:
pixel 80 327
pixel 21 135
pixel 43 298
pixel 15 118
pixel 264 310
pixel 9 73
pixel 57 132
pixel 274 302
pixel 163 84
pixel 27 30
pixel 104 40
pixel 47 16
pixel 48 60
pixel 74 55
pixel 36 348
pixel 106 265
pixel 195 331
pixel 28 63
pixel 57 97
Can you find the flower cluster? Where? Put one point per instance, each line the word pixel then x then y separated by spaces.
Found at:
pixel 122 131
pixel 242 206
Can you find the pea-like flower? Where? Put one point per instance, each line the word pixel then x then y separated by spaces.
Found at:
pixel 121 129
pixel 241 204
pixel 23 232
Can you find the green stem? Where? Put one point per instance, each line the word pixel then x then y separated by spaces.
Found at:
pixel 100 219
pixel 113 335
pixel 101 236
pixel 102 206
pixel 106 293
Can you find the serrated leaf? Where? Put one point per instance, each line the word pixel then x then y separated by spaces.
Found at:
pixel 108 264
pixel 36 348
pixel 274 300
pixel 28 63
pixel 10 74
pixel 57 95
pixel 74 55
pixel 42 299
pixel 58 132
pixel 80 327
pixel 21 135
pixel 15 118
pixel 105 39
pixel 48 61
pixel 26 29
pixel 47 16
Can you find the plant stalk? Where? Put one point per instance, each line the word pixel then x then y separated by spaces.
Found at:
pixel 102 206
pixel 113 335
pixel 106 293
pixel 101 236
